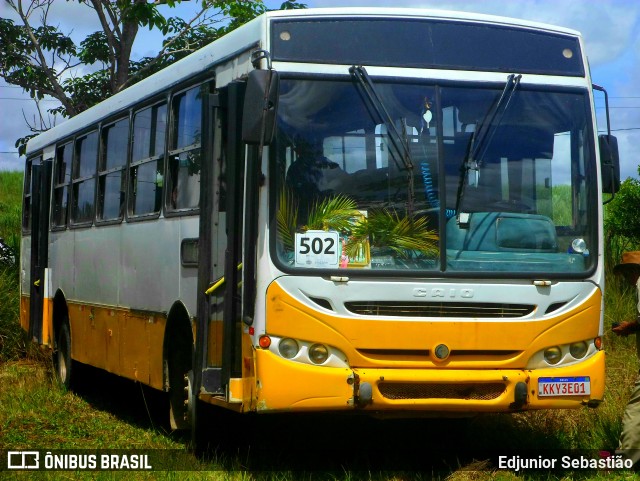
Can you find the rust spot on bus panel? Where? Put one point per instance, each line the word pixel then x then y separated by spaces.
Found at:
pixel 119 341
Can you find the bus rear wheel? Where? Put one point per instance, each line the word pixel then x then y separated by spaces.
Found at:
pixel 62 356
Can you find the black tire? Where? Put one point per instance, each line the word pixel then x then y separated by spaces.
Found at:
pixel 196 443
pixel 178 392
pixel 202 419
pixel 62 362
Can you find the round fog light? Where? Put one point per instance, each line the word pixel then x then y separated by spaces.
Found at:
pixel 288 348
pixel 578 349
pixel 441 351
pixel 318 353
pixel 553 355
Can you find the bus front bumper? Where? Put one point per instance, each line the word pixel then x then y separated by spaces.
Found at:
pixel 290 386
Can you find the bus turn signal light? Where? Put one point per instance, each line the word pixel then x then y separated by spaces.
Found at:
pixel 265 342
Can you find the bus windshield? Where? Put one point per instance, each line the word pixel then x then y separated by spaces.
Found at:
pixel 423 177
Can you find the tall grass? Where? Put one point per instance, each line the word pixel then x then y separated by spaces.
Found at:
pixel 10 207
pixel 12 345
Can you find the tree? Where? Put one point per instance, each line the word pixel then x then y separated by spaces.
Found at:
pixel 44 61
pixel 622 212
pixel 622 223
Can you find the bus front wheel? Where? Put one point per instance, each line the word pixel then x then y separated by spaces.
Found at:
pixel 62 355
pixel 179 394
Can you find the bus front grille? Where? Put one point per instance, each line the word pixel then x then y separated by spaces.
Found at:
pixel 474 392
pixel 424 355
pixel 439 309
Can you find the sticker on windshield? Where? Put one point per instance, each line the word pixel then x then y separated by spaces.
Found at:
pixel 317 249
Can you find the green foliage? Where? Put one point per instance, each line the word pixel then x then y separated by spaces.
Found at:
pixel 40 58
pixel 292 5
pixel 94 49
pixel 145 14
pixel 332 213
pixel 287 219
pixel 16 64
pixel 562 205
pixel 386 229
pixel 12 345
pixel 11 208
pixel 380 228
pixel 86 91
pixel 622 212
pixel 621 226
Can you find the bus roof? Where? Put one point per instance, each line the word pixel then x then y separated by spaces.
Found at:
pixel 240 40
pixel 421 13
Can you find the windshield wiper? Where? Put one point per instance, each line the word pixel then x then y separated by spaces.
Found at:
pixel 397 140
pixel 481 139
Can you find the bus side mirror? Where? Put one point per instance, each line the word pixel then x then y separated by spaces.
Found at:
pixel 260 107
pixel 609 163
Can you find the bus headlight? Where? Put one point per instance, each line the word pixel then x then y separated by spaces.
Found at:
pixel 318 353
pixel 553 355
pixel 313 353
pixel 288 348
pixel 578 349
pixel 564 354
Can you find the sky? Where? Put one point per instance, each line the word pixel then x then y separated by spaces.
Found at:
pixel 611 30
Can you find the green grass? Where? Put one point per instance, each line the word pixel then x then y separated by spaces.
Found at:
pixel 10 207
pixel 105 413
pixel 12 344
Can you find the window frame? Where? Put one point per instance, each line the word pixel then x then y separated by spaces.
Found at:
pixel 73 222
pixel 206 86
pixel 56 186
pixel 135 164
pixel 440 85
pixel 100 174
pixel 27 193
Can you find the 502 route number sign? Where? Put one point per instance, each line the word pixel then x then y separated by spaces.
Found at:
pixel 317 249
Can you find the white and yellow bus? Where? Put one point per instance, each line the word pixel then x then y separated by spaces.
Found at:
pixel 371 210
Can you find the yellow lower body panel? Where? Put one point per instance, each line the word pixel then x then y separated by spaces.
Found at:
pixel 287 385
pixel 25 312
pixel 119 341
pixel 46 321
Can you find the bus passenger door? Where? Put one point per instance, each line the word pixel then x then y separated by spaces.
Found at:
pixel 40 204
pixel 217 350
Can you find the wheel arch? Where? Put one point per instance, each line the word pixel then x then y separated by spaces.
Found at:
pixel 60 313
pixel 178 337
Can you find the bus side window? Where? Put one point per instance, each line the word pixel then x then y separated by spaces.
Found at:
pixel 84 178
pixel 27 204
pixel 184 154
pixel 147 160
pixel 62 177
pixel 111 186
